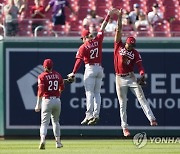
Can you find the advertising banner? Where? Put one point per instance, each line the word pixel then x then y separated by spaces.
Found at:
pixel 23 65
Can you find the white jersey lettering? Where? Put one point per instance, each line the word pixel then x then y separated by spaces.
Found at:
pixel 52 76
pixel 92 45
pixel 129 54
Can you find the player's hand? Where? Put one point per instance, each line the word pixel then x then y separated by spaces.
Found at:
pixel 37 108
pixel 113 11
pixel 71 75
pixel 119 12
pixel 70 79
pixel 36 11
pixel 142 81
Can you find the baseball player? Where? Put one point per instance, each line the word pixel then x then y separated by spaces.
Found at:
pixel 91 53
pixel 125 58
pixel 50 86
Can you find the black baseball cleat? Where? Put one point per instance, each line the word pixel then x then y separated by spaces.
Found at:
pixel 85 121
pixel 59 145
pixel 93 121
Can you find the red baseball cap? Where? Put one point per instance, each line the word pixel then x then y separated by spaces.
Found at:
pixel 48 63
pixel 131 40
pixel 84 33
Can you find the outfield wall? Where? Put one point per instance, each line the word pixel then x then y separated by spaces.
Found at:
pixel 2 101
pixel 22 62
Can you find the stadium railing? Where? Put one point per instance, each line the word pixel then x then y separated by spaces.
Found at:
pixel 44 28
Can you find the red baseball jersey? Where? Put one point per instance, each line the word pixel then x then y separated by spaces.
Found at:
pixel 49 84
pixel 91 51
pixel 40 9
pixel 124 60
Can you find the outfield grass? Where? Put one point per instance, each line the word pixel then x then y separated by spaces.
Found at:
pixel 107 146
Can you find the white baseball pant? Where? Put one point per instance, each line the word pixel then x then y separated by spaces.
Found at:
pixel 50 109
pixel 122 85
pixel 93 76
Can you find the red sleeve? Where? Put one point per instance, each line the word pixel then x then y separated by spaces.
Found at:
pixel 117 45
pixel 140 68
pixel 40 87
pixel 100 35
pixel 80 53
pixel 61 84
pixel 42 9
pixel 77 65
pixel 139 63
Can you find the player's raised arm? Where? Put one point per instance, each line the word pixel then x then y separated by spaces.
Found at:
pixel 106 20
pixel 118 34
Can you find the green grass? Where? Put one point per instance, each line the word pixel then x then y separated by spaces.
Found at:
pixel 99 146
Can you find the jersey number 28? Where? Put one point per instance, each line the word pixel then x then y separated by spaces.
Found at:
pixel 53 85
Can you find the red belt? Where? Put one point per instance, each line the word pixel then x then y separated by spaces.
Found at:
pixel 51 97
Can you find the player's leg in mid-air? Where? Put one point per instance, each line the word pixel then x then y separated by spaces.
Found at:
pixel 97 95
pixel 122 89
pixel 89 83
pixel 138 92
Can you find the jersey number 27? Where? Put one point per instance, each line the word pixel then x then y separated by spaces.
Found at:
pixel 94 53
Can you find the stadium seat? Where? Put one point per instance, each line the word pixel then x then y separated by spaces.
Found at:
pixel 75 28
pixel 102 7
pixel 169 2
pixel 175 28
pixel 87 3
pixel 101 2
pixel 144 31
pixel 84 3
pixel 120 4
pixel 63 30
pixel 101 11
pixel 128 33
pixel 170 12
pixel 171 9
pixel 24 28
pixel 43 33
pixel 127 30
pixel 70 16
pixel 161 29
pixel 82 12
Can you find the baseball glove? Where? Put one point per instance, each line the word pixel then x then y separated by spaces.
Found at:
pixel 70 79
pixel 142 81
